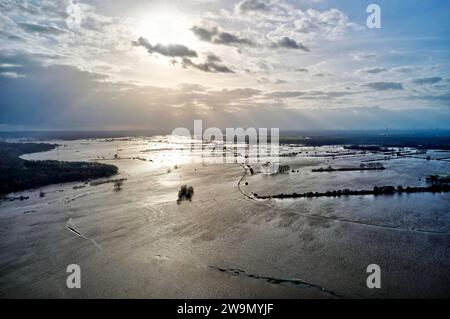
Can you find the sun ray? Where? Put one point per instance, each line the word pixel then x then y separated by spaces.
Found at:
pixel 164 27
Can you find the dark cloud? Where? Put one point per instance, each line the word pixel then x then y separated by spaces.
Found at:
pixel 265 80
pixel 211 64
pixel 307 95
pixel 217 36
pixel 203 33
pixel 170 50
pixel 252 5
pixel 301 70
pixel 405 69
pixel 207 66
pixel 431 80
pixel 40 28
pixel 288 43
pixel 285 94
pixel 211 57
pixel 383 86
pixel 375 70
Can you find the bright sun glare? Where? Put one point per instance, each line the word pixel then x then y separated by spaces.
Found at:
pixel 166 28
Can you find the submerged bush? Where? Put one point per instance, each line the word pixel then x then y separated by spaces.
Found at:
pixel 118 185
pixel 185 192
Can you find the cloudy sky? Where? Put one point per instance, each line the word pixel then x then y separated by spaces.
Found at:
pixel 292 64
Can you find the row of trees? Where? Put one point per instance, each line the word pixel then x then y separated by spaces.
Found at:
pixel 377 190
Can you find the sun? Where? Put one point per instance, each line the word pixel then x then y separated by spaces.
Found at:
pixel 165 28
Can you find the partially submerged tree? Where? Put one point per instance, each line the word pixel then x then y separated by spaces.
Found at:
pixel 185 192
pixel 189 193
pixel 118 185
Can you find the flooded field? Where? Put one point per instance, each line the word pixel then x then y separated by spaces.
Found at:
pixel 138 242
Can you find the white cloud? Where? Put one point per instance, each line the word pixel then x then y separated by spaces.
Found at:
pixel 264 46
pixel 13 75
pixel 362 56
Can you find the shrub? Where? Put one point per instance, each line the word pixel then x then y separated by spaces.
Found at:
pixel 185 192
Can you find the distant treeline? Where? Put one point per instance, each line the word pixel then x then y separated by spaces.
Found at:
pixel 426 139
pixel 378 142
pixel 17 174
pixel 347 169
pixel 382 190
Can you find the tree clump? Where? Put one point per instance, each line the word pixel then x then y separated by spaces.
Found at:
pixel 185 193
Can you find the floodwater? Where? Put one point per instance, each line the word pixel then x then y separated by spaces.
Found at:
pixel 139 243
